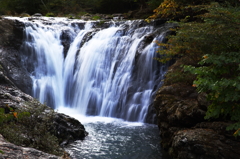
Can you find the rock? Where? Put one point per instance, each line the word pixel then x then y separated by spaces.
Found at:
pixel 24 15
pixel 10 55
pixel 203 144
pixel 65 128
pixel 184 132
pixel 37 15
pixel 66 41
pixel 68 129
pixel 72 16
pixel 108 17
pixel 148 38
pixel 8 150
pixel 118 16
pixel 86 17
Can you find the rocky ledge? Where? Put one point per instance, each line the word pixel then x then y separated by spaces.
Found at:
pixel 9 150
pixel 184 132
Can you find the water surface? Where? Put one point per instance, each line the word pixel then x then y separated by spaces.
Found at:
pixel 111 138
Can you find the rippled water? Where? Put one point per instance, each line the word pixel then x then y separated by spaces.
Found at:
pixel 111 138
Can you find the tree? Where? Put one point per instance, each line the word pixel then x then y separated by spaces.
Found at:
pixel 212 46
pixel 20 6
pixel 218 72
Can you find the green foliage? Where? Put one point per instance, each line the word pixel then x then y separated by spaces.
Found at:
pixel 211 45
pixel 11 116
pixel 167 9
pixel 1 152
pixel 32 129
pixel 178 9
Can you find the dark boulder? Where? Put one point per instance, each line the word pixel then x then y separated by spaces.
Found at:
pixel 199 143
pixel 67 129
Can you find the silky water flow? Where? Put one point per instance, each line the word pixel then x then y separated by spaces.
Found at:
pixel 104 76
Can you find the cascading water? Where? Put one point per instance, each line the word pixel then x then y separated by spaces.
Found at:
pixel 105 71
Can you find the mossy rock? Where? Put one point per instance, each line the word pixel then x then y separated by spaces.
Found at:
pixel 24 15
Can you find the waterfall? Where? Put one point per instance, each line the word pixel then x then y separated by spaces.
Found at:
pixel 104 70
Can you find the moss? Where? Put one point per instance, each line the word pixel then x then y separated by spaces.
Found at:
pixel 24 15
pixel 96 17
pixel 101 23
pixel 50 15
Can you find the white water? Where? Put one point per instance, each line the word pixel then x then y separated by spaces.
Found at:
pixel 112 74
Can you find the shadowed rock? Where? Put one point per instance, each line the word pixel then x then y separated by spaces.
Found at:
pixel 9 150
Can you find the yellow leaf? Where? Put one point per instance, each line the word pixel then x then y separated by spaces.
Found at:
pixel 236 132
pixel 205 56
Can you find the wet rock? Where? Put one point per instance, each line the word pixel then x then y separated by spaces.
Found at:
pixel 68 129
pixel 148 38
pixel 66 41
pixel 10 56
pixel 86 17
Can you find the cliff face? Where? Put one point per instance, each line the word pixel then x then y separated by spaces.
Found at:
pixel 10 43
pixel 183 130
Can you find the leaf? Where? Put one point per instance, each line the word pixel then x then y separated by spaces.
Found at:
pixel 237 133
pixel 15 114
